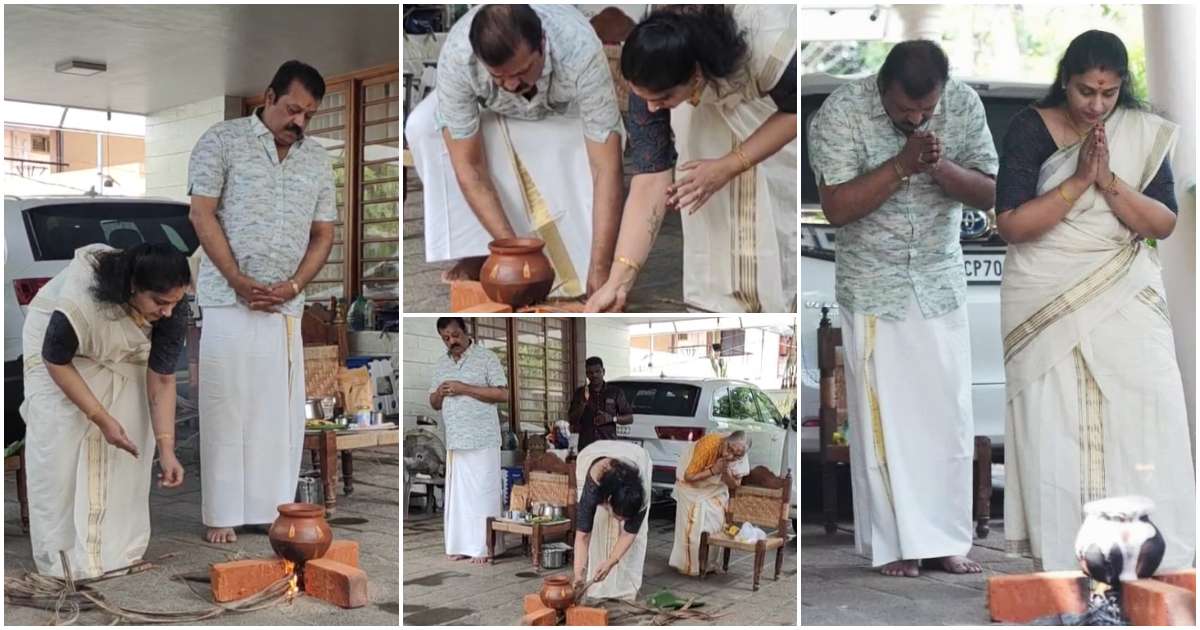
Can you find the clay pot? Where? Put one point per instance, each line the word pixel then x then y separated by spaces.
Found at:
pixel 300 532
pixel 517 273
pixel 557 592
pixel 1117 542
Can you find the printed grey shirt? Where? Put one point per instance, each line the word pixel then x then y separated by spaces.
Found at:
pixel 575 79
pixel 266 207
pixel 469 422
pixel 910 244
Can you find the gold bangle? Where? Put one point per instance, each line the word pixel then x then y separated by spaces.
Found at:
pixel 295 287
pixel 161 436
pixel 1112 185
pixel 1063 194
pixel 899 171
pixel 746 165
pixel 632 265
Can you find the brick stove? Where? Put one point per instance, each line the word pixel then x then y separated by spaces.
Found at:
pixel 467 296
pixel 334 577
pixel 1167 599
pixel 538 613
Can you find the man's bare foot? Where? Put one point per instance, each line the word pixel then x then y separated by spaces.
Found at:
pixel 457 557
pixel 900 568
pixel 220 535
pixel 465 269
pixel 954 564
pixel 479 560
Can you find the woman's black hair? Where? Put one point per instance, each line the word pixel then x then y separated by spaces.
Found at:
pixel 663 50
pixel 156 267
pixel 621 487
pixel 1090 50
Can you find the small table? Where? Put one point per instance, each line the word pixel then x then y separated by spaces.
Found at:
pixel 325 444
pixel 536 532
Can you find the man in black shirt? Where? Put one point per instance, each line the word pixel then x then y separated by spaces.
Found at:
pixel 597 408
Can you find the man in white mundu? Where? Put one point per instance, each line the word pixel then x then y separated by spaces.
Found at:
pixel 896 156
pixel 521 137
pixel 263 208
pixel 468 382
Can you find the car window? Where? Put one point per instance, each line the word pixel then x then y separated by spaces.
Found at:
pixel 56 231
pixel 660 399
pixel 736 403
pixel 770 413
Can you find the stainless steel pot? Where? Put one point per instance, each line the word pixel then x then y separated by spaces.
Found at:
pixel 553 557
pixel 312 409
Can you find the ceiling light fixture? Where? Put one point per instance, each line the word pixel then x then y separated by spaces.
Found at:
pixel 80 68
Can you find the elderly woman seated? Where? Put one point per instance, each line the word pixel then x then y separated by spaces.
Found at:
pixel 716 466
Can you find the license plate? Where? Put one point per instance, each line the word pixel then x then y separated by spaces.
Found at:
pixel 984 268
pixel 622 430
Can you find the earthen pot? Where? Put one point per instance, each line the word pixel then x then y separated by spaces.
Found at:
pixel 300 532
pixel 517 273
pixel 557 592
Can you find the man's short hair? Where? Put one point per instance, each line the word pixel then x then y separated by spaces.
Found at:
pixel 919 66
pixel 294 70
pixel 593 361
pixel 497 31
pixel 444 322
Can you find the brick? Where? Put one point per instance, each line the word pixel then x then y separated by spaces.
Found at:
pixel 1022 598
pixel 487 307
pixel 533 603
pixel 242 578
pixel 465 294
pixel 586 616
pixel 344 551
pixel 336 583
pixel 1158 603
pixel 545 617
pixel 1183 579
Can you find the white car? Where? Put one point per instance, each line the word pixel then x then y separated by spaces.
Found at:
pixel 41 235
pixel 983 257
pixel 669 412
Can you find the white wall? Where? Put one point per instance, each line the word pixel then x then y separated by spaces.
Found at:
pixel 170 136
pixel 608 338
pixel 760 364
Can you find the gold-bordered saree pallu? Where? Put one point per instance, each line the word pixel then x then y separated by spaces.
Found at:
pixel 740 246
pixel 1095 402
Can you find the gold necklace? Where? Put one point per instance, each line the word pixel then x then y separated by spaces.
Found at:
pixel 1071 121
pixel 694 99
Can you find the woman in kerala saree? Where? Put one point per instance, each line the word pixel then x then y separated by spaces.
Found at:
pixel 713 89
pixel 1095 404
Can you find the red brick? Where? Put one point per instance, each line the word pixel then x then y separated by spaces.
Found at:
pixel 336 583
pixel 465 294
pixel 344 551
pixel 1022 598
pixel 487 307
pixel 586 616
pixel 1183 579
pixel 533 603
pixel 242 578
pixel 545 617
pixel 1157 603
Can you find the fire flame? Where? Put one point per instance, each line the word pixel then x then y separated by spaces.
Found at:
pixel 294 581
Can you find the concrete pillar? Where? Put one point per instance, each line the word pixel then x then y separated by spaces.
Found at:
pixel 921 21
pixel 1171 77
pixel 171 134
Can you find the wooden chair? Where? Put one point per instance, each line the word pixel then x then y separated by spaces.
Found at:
pixel 833 413
pixel 548 479
pixel 16 463
pixel 762 500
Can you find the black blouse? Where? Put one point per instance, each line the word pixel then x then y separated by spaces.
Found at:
pixel 61 343
pixel 585 512
pixel 650 145
pixel 1028 143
